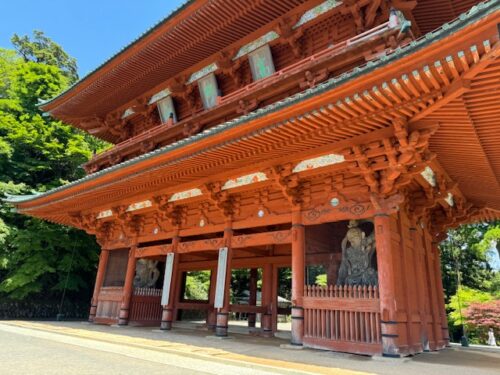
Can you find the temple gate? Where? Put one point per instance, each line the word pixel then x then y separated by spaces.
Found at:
pixel 334 138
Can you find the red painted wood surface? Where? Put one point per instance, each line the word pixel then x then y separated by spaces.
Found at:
pixel 145 306
pixel 342 318
pixel 108 304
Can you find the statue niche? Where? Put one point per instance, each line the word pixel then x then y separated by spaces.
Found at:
pixel 146 273
pixel 356 267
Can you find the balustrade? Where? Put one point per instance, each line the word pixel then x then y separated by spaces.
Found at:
pixel 145 307
pixel 342 318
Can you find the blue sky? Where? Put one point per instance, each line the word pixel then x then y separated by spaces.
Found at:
pixel 89 30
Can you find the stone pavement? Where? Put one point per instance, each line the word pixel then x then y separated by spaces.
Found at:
pixel 260 355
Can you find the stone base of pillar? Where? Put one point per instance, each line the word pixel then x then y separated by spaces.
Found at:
pixel 251 320
pixel 267 325
pixel 123 317
pixel 390 336
pixel 166 319
pixel 211 319
pixel 92 314
pixel 297 325
pixel 166 325
pixel 221 327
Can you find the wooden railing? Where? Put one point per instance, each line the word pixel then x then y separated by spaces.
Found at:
pixel 145 306
pixel 108 304
pixel 342 318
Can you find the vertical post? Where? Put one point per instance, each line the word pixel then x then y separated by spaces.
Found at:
pixel 274 298
pixel 212 314
pixel 168 310
pixel 387 285
pixel 267 279
pixel 432 291
pixel 407 250
pixel 440 294
pixel 419 272
pixel 223 313
pixel 99 279
pixel 298 266
pixel 252 298
pixel 127 288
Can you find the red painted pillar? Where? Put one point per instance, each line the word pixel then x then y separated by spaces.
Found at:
pixel 127 288
pixel 419 272
pixel 223 314
pixel 387 285
pixel 212 314
pixel 267 286
pixel 432 292
pixel 298 267
pixel 252 298
pixel 167 316
pixel 440 295
pixel 101 272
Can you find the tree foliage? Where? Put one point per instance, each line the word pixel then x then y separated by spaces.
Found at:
pixel 465 251
pixel 38 153
pixel 41 49
pixel 481 316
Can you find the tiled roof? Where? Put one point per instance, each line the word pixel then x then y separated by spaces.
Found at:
pixel 475 13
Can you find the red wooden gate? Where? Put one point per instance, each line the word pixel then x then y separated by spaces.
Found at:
pixel 145 306
pixel 342 318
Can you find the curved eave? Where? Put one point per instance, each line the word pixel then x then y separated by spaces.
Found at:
pixel 50 104
pixel 487 10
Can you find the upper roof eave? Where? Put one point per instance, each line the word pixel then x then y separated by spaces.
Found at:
pixel 473 15
pixel 46 104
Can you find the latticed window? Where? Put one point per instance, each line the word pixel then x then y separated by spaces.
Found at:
pixel 261 62
pixel 167 110
pixel 116 268
pixel 209 90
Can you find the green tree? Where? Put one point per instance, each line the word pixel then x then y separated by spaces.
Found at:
pixel 464 251
pixel 41 49
pixel 39 153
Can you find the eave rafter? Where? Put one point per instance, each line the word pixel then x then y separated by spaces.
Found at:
pixel 360 113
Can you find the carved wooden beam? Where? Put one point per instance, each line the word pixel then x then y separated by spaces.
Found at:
pixel 287 182
pixel 228 205
pixel 389 164
pixel 168 212
pixel 290 35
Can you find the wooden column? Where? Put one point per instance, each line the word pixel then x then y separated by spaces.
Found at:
pixel 407 250
pixel 274 298
pixel 419 272
pixel 99 279
pixel 252 298
pixel 267 286
pixel 298 265
pixel 432 292
pixel 440 295
pixel 167 316
pixel 387 285
pixel 221 327
pixel 127 288
pixel 211 313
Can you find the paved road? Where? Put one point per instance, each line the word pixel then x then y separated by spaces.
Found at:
pixel 79 348
pixel 22 354
pixel 32 352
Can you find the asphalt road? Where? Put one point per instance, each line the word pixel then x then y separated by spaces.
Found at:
pixel 78 348
pixel 24 352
